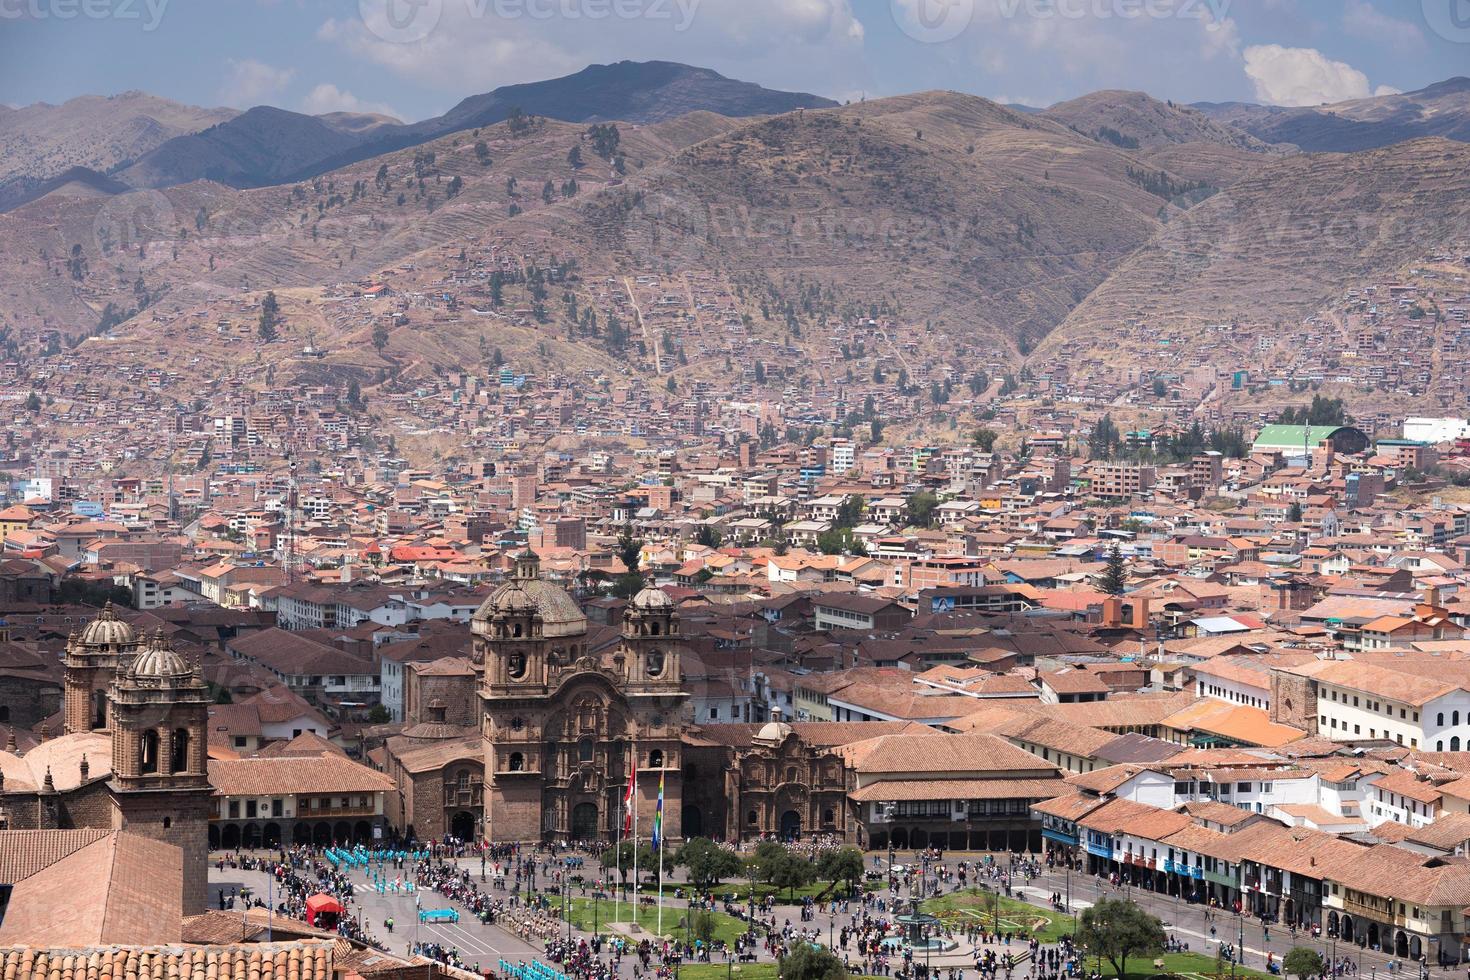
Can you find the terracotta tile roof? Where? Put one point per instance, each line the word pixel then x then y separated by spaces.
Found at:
pixel 1405 783
pixel 326 773
pixel 25 852
pixel 1396 685
pixel 1221 813
pixel 1114 814
pixel 1448 831
pixel 958 789
pixel 436 755
pixel 305 960
pixel 221 928
pixel 1105 780
pixel 1236 722
pixel 1054 734
pixel 1073 681
pixel 1073 806
pixel 119 887
pixel 945 753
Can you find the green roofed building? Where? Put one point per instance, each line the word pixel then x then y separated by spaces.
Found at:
pixel 1290 440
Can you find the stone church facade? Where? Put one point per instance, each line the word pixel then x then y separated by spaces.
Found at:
pixel 563 727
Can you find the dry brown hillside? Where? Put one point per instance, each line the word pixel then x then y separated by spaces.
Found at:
pixel 1276 246
pixel 947 208
pixel 41 141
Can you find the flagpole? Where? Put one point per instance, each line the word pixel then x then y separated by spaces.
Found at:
pixel 633 801
pixel 658 844
pixel 618 868
pixel 660 882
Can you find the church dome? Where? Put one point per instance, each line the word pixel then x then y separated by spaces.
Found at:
pixel 774 732
pixel 650 598
pixel 159 661
pixel 526 593
pixel 511 600
pixel 108 630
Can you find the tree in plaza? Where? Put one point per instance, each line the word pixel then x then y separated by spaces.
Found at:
pixel 707 863
pixel 807 962
pixel 761 866
pixel 1114 579
pixel 702 924
pixel 1303 963
pixel 843 864
pixel 620 857
pixel 792 871
pixel 1116 929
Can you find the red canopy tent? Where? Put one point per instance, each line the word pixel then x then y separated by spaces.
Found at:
pixel 320 905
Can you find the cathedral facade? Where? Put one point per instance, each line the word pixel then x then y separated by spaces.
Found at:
pixel 563 727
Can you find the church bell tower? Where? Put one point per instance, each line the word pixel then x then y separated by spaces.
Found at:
pixel 159 711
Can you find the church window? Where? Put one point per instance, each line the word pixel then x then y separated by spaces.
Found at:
pixel 516 665
pixel 655 663
pixel 148 752
pixel 655 759
pixel 517 723
pixel 180 759
pixel 827 816
pixel 168 822
pixel 517 762
pixel 791 774
pixel 515 631
pixel 654 627
pixel 751 818
pixel 584 750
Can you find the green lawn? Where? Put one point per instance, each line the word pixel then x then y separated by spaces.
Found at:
pixel 582 910
pixel 750 971
pixel 976 907
pixel 1191 966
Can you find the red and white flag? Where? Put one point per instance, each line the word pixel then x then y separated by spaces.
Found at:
pixel 628 795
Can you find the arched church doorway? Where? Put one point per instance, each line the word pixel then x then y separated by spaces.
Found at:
pixel 463 825
pixel 790 825
pixel 691 821
pixel 584 821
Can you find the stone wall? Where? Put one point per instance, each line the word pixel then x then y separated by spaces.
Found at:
pixel 1294 701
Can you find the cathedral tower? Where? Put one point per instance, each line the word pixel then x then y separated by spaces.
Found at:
pixel 159 713
pixel 92 659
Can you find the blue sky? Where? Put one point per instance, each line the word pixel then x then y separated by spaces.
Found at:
pixel 415 58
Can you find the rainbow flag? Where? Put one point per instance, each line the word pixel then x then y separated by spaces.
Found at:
pixel 658 814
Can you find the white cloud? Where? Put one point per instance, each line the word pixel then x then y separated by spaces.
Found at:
pixel 327 97
pixel 1301 76
pixel 250 83
pixel 1387 90
pixel 1362 19
pixel 1052 51
pixel 474 46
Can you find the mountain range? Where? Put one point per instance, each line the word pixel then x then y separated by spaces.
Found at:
pixel 267 145
pixel 986 236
